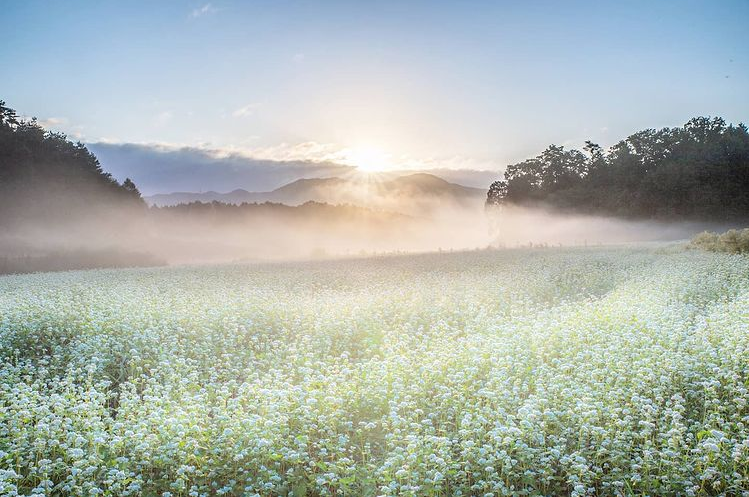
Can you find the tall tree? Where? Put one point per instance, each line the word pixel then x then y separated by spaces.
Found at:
pixel 46 178
pixel 698 171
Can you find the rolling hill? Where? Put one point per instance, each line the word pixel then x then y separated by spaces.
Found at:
pixel 379 191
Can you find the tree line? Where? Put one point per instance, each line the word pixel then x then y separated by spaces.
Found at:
pixel 46 177
pixel 698 171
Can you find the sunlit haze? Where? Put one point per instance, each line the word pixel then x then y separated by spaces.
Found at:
pixel 374 248
pixel 367 159
pixel 379 85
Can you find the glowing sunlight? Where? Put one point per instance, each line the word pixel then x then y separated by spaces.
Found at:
pixel 368 159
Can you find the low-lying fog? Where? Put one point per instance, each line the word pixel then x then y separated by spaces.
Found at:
pixel 208 233
pixel 521 226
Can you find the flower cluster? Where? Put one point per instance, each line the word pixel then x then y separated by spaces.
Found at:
pixel 518 372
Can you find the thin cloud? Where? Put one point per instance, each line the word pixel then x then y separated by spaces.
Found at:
pixel 162 118
pixel 53 122
pixel 61 124
pixel 246 111
pixel 204 10
pixel 169 167
pixel 164 168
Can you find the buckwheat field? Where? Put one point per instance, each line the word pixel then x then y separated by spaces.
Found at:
pixel 515 372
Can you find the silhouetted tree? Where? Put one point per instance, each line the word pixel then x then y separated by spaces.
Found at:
pixel 44 177
pixel 497 192
pixel 8 116
pixel 698 171
pixel 130 187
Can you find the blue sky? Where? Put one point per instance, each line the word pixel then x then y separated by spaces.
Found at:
pixel 433 84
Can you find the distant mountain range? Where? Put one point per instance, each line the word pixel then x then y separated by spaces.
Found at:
pixel 59 209
pixel 414 191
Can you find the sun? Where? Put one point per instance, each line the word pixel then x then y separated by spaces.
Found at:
pixel 367 159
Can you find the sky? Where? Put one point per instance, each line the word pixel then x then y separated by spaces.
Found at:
pixel 380 85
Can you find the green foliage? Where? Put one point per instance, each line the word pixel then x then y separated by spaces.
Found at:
pixel 698 171
pixel 497 192
pixel 556 372
pixel 732 241
pixel 44 177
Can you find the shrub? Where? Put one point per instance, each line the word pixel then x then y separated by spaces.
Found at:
pixel 732 241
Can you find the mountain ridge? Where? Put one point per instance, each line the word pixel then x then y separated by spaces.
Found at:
pixel 365 190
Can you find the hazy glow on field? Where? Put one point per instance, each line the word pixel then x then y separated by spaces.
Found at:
pixel 550 371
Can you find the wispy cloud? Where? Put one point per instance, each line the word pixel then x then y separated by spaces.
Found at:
pixel 164 167
pixel 306 151
pixel 312 152
pixel 246 111
pixel 60 124
pixel 204 10
pixel 162 118
pixel 169 167
pixel 52 122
